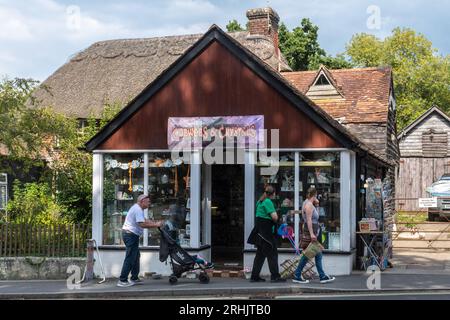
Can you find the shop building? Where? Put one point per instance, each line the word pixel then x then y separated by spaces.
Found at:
pixel 218 81
pixel 336 130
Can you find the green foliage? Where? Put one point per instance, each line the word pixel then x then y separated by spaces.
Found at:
pixel 338 62
pixel 73 170
pixel 24 128
pixel 234 26
pixel 302 50
pixel 33 203
pixel 30 133
pixel 421 76
pixel 365 50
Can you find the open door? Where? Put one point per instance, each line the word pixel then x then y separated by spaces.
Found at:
pixel 227 215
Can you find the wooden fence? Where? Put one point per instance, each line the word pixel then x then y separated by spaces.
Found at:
pixel 415 175
pixel 18 240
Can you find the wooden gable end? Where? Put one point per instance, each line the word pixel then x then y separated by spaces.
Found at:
pixel 428 138
pixel 216 83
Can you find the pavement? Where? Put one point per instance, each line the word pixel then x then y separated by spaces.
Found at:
pixel 421 259
pixel 391 281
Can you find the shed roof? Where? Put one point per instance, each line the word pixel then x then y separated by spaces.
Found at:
pixel 414 124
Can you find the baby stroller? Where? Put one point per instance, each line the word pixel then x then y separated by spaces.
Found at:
pixel 180 260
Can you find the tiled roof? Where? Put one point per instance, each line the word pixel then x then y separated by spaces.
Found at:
pixel 366 93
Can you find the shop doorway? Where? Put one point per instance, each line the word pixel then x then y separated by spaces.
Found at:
pixel 227 215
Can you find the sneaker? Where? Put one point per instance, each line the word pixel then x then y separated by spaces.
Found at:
pixel 327 279
pixel 125 284
pixel 300 280
pixel 278 280
pixel 258 280
pixel 137 281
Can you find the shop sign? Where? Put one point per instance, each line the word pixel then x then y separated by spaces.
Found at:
pixel 244 131
pixel 428 202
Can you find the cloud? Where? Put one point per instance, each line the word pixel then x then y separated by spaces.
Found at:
pixel 38 36
pixel 13 26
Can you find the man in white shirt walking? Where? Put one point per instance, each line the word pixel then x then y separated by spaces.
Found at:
pixel 132 230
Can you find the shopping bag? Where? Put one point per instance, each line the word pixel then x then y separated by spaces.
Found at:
pixel 313 249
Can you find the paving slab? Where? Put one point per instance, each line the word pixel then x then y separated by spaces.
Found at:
pixel 357 282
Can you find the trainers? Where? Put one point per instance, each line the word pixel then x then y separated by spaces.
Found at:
pixel 137 281
pixel 327 279
pixel 258 280
pixel 300 280
pixel 278 280
pixel 124 284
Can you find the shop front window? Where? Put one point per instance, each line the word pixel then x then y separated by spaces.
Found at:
pixel 322 171
pixel 169 190
pixel 168 185
pixel 284 183
pixel 123 182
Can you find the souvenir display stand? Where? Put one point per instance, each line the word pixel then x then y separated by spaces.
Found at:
pixel 375 229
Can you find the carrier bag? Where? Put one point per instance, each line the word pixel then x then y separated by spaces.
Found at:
pixel 313 249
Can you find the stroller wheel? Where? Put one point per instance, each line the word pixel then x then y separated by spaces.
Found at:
pixel 204 278
pixel 173 279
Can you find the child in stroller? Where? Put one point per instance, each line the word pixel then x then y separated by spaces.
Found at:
pixel 180 260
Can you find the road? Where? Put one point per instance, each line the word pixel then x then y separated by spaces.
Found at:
pixel 375 296
pixel 440 295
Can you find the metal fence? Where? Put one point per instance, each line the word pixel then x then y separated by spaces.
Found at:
pixel 415 231
pixel 18 240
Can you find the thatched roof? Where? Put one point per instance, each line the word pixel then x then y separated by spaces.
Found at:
pixel 118 70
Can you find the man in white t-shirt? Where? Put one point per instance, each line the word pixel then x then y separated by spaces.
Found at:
pixel 132 230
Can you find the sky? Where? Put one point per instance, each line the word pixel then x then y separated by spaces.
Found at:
pixel 39 36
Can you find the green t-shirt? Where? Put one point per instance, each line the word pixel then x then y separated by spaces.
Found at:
pixel 264 209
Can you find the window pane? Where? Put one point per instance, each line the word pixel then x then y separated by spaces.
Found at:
pixel 322 171
pixel 169 190
pixel 123 182
pixel 283 182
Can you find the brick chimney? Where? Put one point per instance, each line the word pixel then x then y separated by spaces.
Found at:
pixel 264 21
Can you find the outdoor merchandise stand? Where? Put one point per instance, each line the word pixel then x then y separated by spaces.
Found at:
pixel 375 230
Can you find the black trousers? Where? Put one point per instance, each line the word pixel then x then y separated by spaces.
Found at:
pixel 263 252
pixel 266 249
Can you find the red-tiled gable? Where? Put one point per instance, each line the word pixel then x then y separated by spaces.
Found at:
pixel 366 93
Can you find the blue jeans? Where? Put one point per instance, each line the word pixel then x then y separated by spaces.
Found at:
pixel 132 256
pixel 303 262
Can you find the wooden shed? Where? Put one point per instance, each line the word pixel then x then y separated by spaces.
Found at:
pixel 425 157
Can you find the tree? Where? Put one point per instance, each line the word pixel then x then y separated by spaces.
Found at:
pixel 302 50
pixel 29 132
pixel 338 62
pixel 72 172
pixel 421 75
pixel 24 128
pixel 234 26
pixel 365 50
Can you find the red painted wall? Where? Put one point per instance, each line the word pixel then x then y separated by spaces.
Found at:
pixel 216 83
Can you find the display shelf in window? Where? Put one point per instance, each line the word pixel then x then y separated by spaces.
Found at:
pixel 169 189
pixel 284 183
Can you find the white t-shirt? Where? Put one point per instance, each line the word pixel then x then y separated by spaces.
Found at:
pixel 134 216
